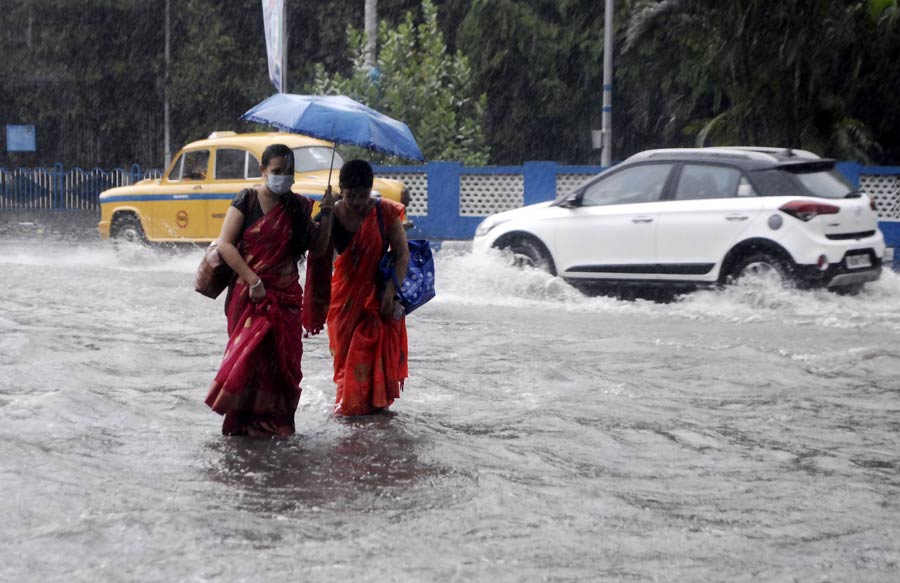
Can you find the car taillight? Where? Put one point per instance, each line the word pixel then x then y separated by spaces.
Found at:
pixel 805 211
pixel 872 204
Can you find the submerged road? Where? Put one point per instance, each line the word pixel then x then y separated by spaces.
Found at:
pixel 750 435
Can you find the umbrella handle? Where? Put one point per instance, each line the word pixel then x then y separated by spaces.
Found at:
pixel 331 166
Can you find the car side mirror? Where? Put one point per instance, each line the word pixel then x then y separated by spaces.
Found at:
pixel 571 201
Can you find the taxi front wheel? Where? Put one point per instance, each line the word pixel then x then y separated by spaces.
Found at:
pixel 127 229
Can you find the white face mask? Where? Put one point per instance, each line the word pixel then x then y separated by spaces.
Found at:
pixel 280 184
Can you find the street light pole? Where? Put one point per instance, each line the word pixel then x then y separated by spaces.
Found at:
pixel 167 132
pixel 284 46
pixel 608 30
pixel 371 33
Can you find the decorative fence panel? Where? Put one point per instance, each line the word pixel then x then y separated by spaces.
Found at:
pixel 566 183
pixel 885 191
pixel 486 194
pixel 417 183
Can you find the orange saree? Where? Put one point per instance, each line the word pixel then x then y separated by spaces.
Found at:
pixel 257 387
pixel 370 353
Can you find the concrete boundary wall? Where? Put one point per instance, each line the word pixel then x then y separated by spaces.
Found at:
pixel 448 198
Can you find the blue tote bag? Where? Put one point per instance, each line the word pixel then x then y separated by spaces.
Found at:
pixel 417 288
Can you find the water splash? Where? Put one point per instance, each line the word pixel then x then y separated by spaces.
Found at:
pixel 490 279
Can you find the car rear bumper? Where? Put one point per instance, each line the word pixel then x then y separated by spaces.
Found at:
pixel 838 274
pixel 806 248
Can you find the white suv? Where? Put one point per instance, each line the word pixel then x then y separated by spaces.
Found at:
pixel 694 216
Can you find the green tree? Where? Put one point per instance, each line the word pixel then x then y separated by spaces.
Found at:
pixel 85 82
pixel 418 82
pixel 818 74
pixel 754 72
pixel 219 67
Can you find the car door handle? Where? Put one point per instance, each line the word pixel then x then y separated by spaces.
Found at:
pixel 198 187
pixel 736 218
pixel 642 220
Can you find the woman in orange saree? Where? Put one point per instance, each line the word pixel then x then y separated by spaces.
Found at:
pixel 368 343
pixel 257 387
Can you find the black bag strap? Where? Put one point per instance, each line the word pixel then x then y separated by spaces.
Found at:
pixel 384 248
pixel 252 202
pixel 384 239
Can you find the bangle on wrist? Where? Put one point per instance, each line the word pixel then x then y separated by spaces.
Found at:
pixel 257 284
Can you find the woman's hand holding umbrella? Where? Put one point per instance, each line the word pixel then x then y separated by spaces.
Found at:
pixel 326 205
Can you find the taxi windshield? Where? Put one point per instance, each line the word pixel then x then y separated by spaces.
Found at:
pixel 315 158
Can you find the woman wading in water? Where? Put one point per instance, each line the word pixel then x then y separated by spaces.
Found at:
pixel 368 341
pixel 266 231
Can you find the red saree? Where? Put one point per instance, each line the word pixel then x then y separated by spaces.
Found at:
pixel 257 387
pixel 369 352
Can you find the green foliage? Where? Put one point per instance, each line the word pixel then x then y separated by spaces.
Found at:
pixel 794 73
pixel 540 63
pixel 521 79
pixel 419 83
pixel 66 75
pixel 218 70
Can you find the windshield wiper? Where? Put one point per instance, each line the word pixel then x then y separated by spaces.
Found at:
pixel 853 194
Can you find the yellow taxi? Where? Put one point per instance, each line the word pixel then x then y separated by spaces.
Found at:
pixel 188 203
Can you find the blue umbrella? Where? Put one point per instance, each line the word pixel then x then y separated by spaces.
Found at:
pixel 337 119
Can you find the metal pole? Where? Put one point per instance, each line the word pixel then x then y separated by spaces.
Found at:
pixel 371 33
pixel 331 166
pixel 284 46
pixel 608 30
pixel 167 132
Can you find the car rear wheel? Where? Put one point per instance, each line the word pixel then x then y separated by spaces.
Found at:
pixel 529 253
pixel 127 229
pixel 848 290
pixel 763 268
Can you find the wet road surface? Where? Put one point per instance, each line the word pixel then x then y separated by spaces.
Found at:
pixel 751 434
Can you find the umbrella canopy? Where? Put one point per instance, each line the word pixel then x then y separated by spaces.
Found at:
pixel 338 119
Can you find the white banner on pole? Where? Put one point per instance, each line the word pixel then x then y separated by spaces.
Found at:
pixel 273 20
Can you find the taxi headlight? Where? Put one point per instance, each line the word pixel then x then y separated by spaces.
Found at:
pixel 489 223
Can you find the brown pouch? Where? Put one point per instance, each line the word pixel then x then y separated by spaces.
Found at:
pixel 213 274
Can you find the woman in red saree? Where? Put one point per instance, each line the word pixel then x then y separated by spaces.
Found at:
pixel 368 343
pixel 265 232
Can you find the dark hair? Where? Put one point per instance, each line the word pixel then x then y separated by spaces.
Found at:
pixel 357 174
pixel 278 151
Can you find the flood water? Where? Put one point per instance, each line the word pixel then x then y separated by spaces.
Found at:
pixel 750 435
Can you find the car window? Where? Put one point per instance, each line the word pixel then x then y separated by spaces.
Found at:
pixel 191 166
pixel 827 183
pixel 252 167
pixel 315 158
pixel 231 164
pixel 642 183
pixel 236 164
pixel 700 181
pixel 175 173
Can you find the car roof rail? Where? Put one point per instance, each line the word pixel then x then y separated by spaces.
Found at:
pixel 696 153
pixel 763 154
pixel 778 153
